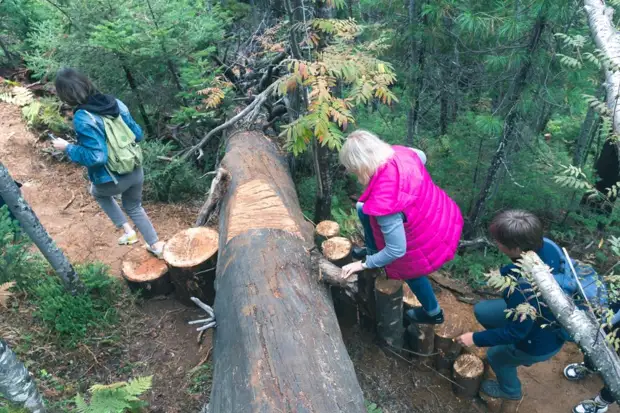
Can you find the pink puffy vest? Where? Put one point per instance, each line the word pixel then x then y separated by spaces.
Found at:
pixel 433 221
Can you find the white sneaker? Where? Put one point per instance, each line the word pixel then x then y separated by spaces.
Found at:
pixel 128 239
pixel 159 252
pixel 591 406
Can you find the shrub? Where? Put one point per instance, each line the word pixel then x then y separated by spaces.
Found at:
pixel 170 181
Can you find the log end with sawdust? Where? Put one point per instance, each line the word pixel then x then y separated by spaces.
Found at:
pixel 146 273
pixel 326 230
pixel 468 371
pixel 191 255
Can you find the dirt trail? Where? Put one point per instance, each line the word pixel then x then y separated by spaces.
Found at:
pixel 58 194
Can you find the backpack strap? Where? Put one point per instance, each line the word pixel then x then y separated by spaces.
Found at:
pixel 92 117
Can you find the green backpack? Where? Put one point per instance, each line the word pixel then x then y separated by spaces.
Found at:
pixel 124 154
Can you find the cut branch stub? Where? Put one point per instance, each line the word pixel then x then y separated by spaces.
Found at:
pixel 191 255
pixel 468 373
pixel 337 250
pixel 326 230
pixel 146 273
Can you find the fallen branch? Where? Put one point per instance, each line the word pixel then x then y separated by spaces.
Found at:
pixel 581 326
pixel 70 201
pixel 250 111
pixel 332 274
pixel 219 185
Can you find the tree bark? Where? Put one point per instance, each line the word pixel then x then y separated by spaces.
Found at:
pixel 32 226
pixel 16 385
pixel 278 346
pixel 389 302
pixel 581 326
pixel 510 124
pixel 607 40
pixel 585 133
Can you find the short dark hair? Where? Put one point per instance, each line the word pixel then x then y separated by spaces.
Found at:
pixel 517 228
pixel 73 87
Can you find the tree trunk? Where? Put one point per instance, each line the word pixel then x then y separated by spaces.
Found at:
pixel 510 124
pixel 136 91
pixel 324 159
pixel 278 346
pixel 581 326
pixel 31 225
pixel 6 52
pixel 16 385
pixel 607 40
pixel 581 145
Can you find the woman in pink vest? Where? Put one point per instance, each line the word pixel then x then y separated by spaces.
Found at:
pixel 412 226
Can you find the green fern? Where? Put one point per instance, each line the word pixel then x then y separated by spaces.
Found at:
pixel 17 95
pixel 121 397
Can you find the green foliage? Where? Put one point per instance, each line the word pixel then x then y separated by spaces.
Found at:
pixel 70 317
pixel 170 180
pixel 200 380
pixel 119 397
pixel 475 267
pixel 372 407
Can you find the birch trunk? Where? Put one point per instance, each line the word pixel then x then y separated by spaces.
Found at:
pixel 584 329
pixel 16 385
pixel 37 233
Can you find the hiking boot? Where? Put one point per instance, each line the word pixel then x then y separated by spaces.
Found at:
pixel 128 239
pixel 591 406
pixel 359 253
pixel 576 371
pixel 418 315
pixel 492 389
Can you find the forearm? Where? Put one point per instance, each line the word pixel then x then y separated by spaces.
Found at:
pixel 393 230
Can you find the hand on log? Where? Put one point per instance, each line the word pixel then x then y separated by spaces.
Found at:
pixel 207 322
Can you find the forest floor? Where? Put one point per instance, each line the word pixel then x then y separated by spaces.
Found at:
pixel 154 338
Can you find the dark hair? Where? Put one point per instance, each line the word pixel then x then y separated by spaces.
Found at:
pixel 73 87
pixel 517 228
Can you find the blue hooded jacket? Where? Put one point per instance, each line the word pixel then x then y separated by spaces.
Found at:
pixel 91 150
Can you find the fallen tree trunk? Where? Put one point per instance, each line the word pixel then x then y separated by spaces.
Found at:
pixel 581 326
pixel 278 346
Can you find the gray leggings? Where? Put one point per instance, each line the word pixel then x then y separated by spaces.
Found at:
pixel 130 188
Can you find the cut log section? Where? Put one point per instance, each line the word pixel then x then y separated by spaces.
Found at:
pixel 278 346
pixel 146 273
pixel 191 255
pixel 501 405
pixel 337 250
pixel 409 298
pixel 421 339
pixel 326 230
pixel 468 373
pixel 389 306
pixel 446 347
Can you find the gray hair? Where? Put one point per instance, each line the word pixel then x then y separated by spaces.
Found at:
pixel 363 153
pixel 73 87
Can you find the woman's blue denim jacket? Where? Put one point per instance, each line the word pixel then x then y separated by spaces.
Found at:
pixel 92 149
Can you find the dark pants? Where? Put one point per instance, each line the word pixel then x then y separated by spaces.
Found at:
pixel 420 286
pixel 505 359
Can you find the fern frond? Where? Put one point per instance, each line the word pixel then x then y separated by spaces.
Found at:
pixel 139 385
pixel 80 404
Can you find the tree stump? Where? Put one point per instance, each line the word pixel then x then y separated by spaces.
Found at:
pixel 146 273
pixel 326 230
pixel 421 339
pixel 366 286
pixel 446 347
pixel 468 373
pixel 337 250
pixel 191 255
pixel 389 306
pixel 500 405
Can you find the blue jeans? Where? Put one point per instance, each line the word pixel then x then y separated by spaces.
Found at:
pixel 505 359
pixel 421 287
